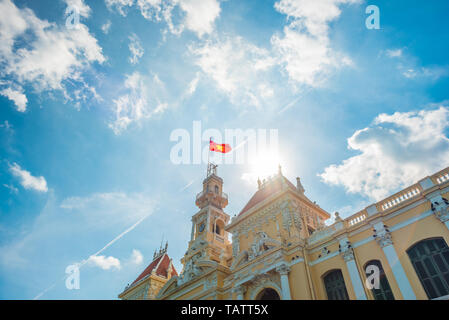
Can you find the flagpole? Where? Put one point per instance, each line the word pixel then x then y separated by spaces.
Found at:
pixel 208 156
pixel 208 152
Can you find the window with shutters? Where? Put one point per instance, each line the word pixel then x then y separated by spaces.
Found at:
pixel 430 258
pixel 335 286
pixel 384 291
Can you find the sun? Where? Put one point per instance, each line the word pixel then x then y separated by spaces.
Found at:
pixel 265 164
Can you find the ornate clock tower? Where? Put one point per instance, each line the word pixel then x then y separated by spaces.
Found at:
pixel 209 240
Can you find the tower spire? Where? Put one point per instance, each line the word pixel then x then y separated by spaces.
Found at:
pixel 211 169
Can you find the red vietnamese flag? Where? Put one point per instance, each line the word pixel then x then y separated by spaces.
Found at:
pixel 223 148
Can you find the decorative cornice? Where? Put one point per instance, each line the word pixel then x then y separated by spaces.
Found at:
pixel 382 235
pixel 348 255
pixel 283 269
pixel 384 240
pixel 346 250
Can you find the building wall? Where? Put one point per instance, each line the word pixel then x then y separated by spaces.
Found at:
pixel 409 222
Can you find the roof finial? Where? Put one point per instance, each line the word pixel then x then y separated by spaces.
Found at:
pixel 299 186
pixel 337 217
pixel 160 247
pixel 259 183
pixel 279 169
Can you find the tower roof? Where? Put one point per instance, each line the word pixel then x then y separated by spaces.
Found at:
pixel 160 266
pixel 267 189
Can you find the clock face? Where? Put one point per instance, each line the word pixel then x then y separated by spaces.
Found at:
pixel 201 227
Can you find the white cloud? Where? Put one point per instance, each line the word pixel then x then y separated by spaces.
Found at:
pixel 160 108
pixel 312 16
pixel 159 10
pixel 99 220
pixel 135 48
pixel 409 67
pixel 200 15
pixel 394 53
pixel 136 257
pixel 119 5
pixel 106 27
pixel 131 106
pixel 54 55
pixel 11 188
pixel 193 85
pixel 27 180
pixel 82 8
pixel 304 49
pixel 6 125
pixel 395 151
pixel 196 15
pixel 432 73
pixel 20 100
pixel 237 68
pixel 104 262
pixel 136 104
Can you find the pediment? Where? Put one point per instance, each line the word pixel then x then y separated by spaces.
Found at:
pixel 169 286
pixel 241 259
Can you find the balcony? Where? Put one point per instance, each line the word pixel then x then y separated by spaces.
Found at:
pixel 441 177
pixel 223 195
pixel 400 197
pixel 356 218
pixel 219 238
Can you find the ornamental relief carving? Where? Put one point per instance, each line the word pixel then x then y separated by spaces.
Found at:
pixel 440 208
pixel 256 221
pixel 211 282
pixel 262 243
pixel 263 280
pixel 264 264
pixel 191 270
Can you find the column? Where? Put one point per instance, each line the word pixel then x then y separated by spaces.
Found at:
pixel 383 238
pixel 283 270
pixel 398 271
pixel 240 291
pixel 192 234
pixel 348 256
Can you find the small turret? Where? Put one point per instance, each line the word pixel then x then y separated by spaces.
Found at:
pixel 212 190
pixel 299 186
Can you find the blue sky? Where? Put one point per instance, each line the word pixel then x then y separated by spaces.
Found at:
pixel 86 116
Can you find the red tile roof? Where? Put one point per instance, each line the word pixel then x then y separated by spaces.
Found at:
pixel 270 187
pixel 161 264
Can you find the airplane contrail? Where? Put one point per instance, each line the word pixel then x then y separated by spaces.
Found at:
pixel 188 185
pixel 97 253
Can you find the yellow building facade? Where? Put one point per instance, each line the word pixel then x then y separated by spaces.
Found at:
pixel 148 284
pixel 281 247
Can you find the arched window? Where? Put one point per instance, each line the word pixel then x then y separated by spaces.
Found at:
pixel 335 286
pixel 430 258
pixel 216 189
pixel 383 292
pixel 268 294
pixel 219 227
